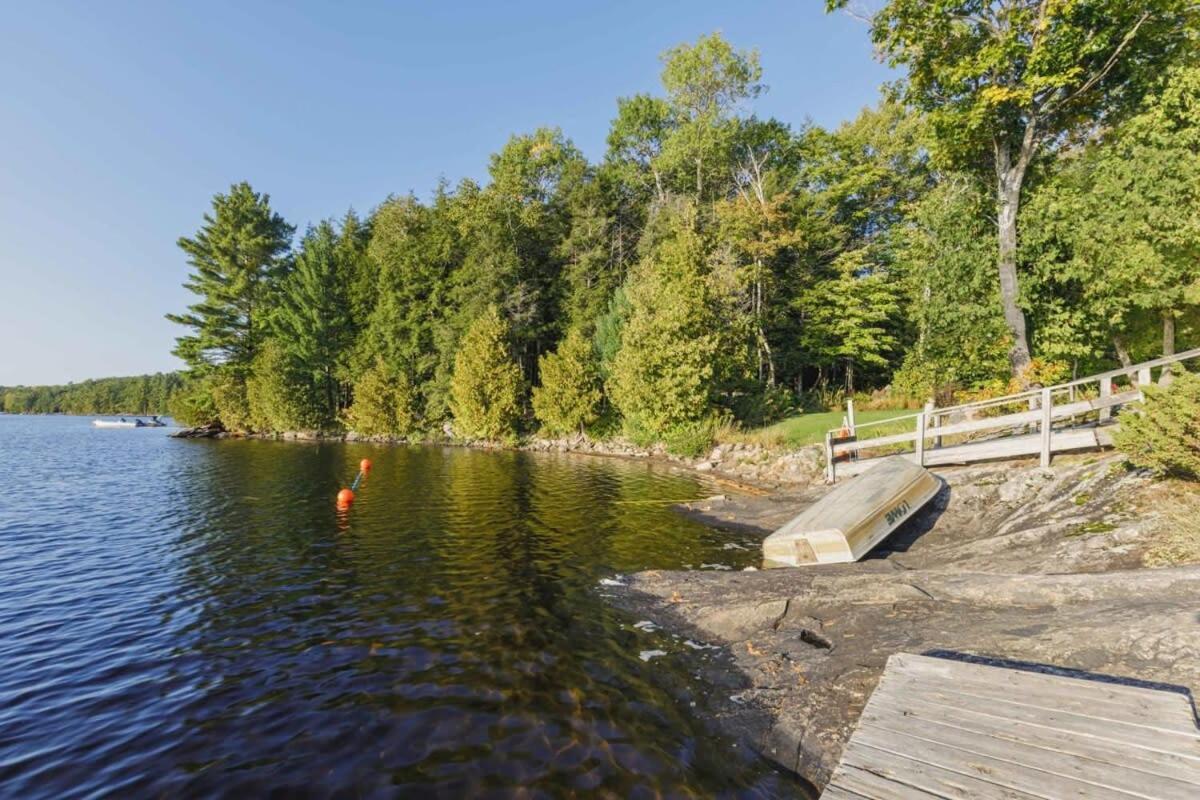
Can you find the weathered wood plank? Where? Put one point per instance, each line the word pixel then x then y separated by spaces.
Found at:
pixel 940 728
pixel 1026 683
pixel 887 724
pixel 877 773
pixel 1093 747
pixel 1147 736
pixel 1007 769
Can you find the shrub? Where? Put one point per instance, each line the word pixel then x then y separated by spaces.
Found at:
pixel 690 439
pixel 383 403
pixel 1164 434
pixel 228 394
pixel 279 396
pixel 569 398
pixel 485 390
pixel 193 405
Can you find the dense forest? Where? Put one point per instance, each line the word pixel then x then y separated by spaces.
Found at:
pixel 141 394
pixel 1023 205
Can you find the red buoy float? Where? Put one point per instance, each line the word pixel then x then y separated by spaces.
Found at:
pixel 365 465
pixel 344 498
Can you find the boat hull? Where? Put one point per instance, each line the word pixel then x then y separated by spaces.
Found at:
pixel 847 523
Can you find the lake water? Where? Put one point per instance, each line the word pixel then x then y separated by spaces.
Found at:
pixel 196 618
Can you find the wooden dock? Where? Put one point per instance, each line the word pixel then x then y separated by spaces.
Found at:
pixel 940 728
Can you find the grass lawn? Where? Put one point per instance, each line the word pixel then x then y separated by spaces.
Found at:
pixel 810 428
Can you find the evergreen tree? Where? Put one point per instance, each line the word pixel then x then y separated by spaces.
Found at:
pixel 569 396
pixel 665 374
pixel 485 393
pixel 312 319
pixel 280 393
pixel 383 403
pixel 235 257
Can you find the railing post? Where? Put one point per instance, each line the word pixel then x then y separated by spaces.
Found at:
pixel 1105 393
pixel 933 421
pixel 1047 419
pixel 829 468
pixel 850 414
pixel 921 438
pixel 1143 377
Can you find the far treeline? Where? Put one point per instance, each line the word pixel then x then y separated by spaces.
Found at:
pixel 140 394
pixel 1023 205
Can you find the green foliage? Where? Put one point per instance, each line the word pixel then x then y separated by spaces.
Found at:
pixel 982 72
pixel 280 394
pixel 848 323
pixel 609 329
pixel 193 405
pixel 690 439
pixel 236 257
pixel 664 376
pixel 383 403
pixel 228 393
pixel 140 394
pixel 569 396
pixel 721 266
pixel 1164 435
pixel 946 255
pixel 485 392
pixel 312 322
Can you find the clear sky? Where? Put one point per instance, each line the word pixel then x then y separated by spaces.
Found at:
pixel 119 121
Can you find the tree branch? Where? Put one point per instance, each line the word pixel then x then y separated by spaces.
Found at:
pixel 1108 65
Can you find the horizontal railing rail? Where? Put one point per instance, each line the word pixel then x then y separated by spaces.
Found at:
pixel 1041 412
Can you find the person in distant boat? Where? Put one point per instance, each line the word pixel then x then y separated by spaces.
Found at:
pixel 122 419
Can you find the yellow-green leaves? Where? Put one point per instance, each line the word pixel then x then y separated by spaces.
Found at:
pixel 485 391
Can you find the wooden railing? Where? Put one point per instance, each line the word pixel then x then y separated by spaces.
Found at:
pixel 1033 410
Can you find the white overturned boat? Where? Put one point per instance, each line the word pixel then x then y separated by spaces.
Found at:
pixel 846 523
pixel 122 423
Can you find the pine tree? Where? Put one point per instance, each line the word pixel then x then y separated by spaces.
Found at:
pixel 485 391
pixel 569 397
pixel 235 258
pixel 312 319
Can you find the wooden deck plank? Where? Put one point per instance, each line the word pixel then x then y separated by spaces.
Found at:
pixel 891 775
pixel 1184 768
pixel 1171 741
pixel 1021 680
pixel 1003 771
pixel 939 728
pixel 971 744
pixel 1144 714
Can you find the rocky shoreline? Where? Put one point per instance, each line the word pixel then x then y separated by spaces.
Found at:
pixel 758 467
pixel 1009 562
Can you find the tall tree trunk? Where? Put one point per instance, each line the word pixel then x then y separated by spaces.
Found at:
pixel 1168 321
pixel 1009 196
pixel 1009 177
pixel 1122 350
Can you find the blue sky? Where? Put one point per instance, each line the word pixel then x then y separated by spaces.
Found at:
pixel 119 121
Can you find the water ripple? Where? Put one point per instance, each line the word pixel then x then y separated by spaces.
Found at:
pixel 196 618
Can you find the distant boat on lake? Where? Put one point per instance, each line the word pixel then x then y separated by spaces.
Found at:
pixel 153 422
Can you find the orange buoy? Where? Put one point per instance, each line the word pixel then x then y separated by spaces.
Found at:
pixel 344 498
pixel 365 465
